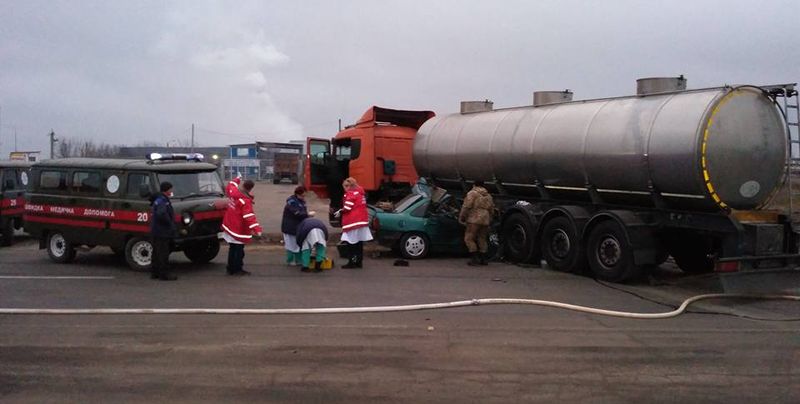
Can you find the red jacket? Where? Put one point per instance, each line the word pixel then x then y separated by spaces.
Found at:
pixel 239 221
pixel 354 210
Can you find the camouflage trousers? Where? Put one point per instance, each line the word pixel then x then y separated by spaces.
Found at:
pixel 476 237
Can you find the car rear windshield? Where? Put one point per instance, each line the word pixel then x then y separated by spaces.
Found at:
pixel 185 185
pixel 406 202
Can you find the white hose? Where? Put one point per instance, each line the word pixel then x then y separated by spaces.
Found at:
pixel 411 307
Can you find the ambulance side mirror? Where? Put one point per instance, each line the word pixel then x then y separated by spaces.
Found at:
pixel 144 190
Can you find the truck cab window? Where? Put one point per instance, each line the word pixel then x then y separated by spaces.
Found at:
pixel 347 149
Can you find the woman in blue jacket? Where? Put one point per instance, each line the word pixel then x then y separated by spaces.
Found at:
pixel 294 212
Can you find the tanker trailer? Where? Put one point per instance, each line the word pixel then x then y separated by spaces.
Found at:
pixel 618 184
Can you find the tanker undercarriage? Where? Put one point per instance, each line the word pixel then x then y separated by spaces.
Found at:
pixel 617 244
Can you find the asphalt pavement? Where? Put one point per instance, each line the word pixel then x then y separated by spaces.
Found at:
pixel 471 354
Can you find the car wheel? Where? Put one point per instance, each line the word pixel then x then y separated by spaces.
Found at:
pixel 414 246
pixel 561 247
pixel 6 232
pixel 202 253
pixel 139 254
pixel 59 249
pixel 609 254
pixel 519 240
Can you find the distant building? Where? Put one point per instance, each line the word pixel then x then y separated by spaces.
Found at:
pixel 268 161
pixel 31 156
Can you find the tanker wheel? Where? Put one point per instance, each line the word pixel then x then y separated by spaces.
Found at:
pixel 518 239
pixel 609 254
pixel 561 247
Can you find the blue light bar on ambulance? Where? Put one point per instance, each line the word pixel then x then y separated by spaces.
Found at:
pixel 175 156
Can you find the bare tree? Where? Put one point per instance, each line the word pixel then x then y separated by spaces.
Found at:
pixel 69 147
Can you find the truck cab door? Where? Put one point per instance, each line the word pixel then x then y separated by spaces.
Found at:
pixel 315 172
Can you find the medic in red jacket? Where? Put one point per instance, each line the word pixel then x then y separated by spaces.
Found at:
pixel 354 209
pixel 240 222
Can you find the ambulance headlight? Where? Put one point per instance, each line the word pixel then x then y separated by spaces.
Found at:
pixel 187 218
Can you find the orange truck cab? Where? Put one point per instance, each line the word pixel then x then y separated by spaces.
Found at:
pixel 376 151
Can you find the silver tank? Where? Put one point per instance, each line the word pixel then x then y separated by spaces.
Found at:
pixel 711 149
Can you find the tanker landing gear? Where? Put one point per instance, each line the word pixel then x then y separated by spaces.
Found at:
pixel 691 253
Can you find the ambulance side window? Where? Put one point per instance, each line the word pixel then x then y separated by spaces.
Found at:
pixel 134 181
pixel 86 182
pixel 53 180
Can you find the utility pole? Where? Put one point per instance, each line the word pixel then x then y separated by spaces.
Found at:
pixel 15 138
pixel 53 141
pixel 192 138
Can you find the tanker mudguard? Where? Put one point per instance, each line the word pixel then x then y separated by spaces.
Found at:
pixel 532 211
pixel 577 215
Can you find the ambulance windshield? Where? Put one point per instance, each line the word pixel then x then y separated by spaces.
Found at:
pixel 185 185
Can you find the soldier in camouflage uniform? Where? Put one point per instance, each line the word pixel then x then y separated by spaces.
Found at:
pixel 476 214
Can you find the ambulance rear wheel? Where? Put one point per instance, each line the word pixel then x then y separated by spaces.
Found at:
pixel 139 254
pixel 202 253
pixel 59 249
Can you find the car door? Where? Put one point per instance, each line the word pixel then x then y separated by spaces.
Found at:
pixel 444 230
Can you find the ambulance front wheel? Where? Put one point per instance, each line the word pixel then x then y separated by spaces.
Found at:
pixel 59 249
pixel 139 254
pixel 202 253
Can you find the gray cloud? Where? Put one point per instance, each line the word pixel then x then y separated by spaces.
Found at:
pixel 124 72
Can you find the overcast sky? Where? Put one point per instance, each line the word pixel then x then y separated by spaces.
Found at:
pixel 124 72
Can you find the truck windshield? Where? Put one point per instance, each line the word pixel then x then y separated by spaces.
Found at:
pixel 186 185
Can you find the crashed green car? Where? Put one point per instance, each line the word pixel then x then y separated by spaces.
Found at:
pixel 425 221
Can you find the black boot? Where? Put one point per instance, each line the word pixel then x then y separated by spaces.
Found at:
pixel 484 259
pixel 475 260
pixel 351 263
pixel 317 266
pixel 346 252
pixel 359 254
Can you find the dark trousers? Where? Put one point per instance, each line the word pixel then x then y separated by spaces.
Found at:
pixel 235 257
pixel 355 252
pixel 160 256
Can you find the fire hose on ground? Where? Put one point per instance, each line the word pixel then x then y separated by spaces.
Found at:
pixel 384 309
